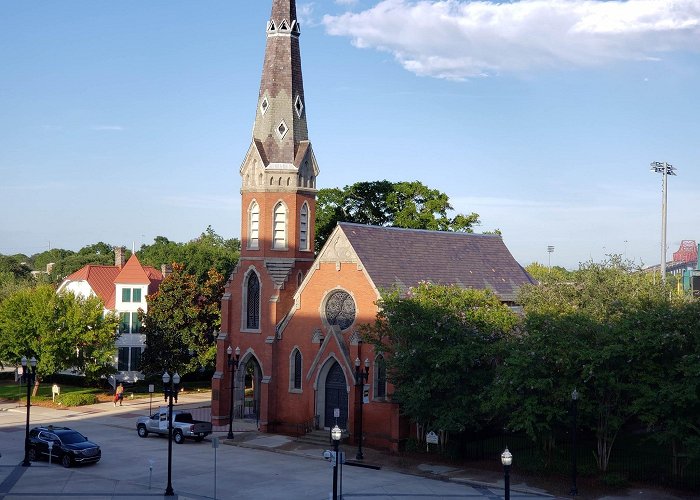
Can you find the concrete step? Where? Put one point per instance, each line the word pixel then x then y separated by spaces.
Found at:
pixel 320 438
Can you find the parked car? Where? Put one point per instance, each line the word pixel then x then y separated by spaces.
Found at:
pixel 68 446
pixel 184 426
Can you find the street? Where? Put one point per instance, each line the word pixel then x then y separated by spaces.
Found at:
pixel 125 468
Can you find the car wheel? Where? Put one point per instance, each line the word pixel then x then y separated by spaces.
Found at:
pixel 178 437
pixel 31 455
pixel 66 461
pixel 143 432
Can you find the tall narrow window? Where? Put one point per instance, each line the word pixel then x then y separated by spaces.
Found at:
pixel 304 227
pixel 135 359
pixel 279 236
pixel 379 377
pixel 297 369
pixel 135 323
pixel 123 359
pixel 136 295
pixel 126 294
pixel 253 302
pixel 124 322
pixel 254 226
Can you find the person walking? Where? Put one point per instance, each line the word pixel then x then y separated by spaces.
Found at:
pixel 119 395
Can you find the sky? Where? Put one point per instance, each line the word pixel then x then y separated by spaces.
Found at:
pixel 123 121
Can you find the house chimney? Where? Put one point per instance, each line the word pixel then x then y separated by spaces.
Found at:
pixel 49 267
pixel 165 270
pixel 119 256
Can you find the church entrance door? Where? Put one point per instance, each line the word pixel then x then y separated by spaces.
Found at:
pixel 336 397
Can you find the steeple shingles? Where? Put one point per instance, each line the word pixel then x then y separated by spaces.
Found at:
pixel 280 120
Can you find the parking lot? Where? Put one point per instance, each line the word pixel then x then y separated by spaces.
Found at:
pixel 133 467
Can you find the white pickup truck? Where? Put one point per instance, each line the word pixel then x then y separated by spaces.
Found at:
pixel 184 426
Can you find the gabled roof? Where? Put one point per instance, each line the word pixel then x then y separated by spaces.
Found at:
pixel 103 279
pixel 404 257
pixel 132 273
pixel 100 279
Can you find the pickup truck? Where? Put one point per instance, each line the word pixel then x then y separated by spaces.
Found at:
pixel 184 426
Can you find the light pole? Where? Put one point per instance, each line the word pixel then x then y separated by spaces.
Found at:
pixel 574 408
pixel 665 169
pixel 28 377
pixel 361 377
pixel 232 366
pixel 550 250
pixel 506 460
pixel 171 386
pixel 335 436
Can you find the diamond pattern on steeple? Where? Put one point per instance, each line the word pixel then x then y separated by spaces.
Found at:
pixel 282 129
pixel 298 106
pixel 264 105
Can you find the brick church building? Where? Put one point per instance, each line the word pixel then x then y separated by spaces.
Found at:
pixel 295 316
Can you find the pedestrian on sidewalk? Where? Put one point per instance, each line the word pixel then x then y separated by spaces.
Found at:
pixel 119 395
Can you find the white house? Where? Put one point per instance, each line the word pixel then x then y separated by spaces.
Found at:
pixel 123 288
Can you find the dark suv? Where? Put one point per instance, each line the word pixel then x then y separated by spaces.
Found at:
pixel 69 446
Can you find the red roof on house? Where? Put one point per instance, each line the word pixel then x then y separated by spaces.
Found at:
pixel 102 279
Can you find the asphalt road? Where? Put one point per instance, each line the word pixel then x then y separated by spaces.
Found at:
pixel 134 468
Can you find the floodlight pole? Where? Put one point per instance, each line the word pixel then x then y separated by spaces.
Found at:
pixel 665 169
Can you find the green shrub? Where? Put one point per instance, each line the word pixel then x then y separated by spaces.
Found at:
pixel 76 399
pixel 614 480
pixel 412 445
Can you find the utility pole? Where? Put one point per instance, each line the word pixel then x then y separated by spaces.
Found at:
pixel 550 249
pixel 665 169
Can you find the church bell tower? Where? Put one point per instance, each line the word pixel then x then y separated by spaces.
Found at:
pixel 278 196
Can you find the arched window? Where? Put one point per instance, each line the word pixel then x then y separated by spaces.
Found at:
pixel 296 369
pixel 254 226
pixel 252 302
pixel 279 229
pixel 304 227
pixel 379 377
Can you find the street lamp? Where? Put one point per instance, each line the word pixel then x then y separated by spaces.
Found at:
pixel 232 366
pixel 361 377
pixel 28 377
pixel 506 460
pixel 550 249
pixel 335 436
pixel 574 407
pixel 665 169
pixel 171 386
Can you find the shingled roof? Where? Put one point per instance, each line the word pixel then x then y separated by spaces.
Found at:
pixel 404 257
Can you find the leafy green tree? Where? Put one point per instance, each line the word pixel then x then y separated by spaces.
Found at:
pixel 384 203
pixel 197 256
pixel 441 344
pixel 182 321
pixel 544 273
pixel 590 331
pixel 63 332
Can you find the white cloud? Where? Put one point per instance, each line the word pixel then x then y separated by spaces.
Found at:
pixel 305 15
pixel 114 128
pixel 346 2
pixel 458 39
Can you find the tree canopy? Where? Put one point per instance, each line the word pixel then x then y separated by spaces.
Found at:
pixel 182 321
pixel 384 203
pixel 62 331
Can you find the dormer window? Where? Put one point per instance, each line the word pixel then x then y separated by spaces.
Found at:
pixel 271 26
pixel 282 129
pixel 295 28
pixel 284 26
pixel 298 106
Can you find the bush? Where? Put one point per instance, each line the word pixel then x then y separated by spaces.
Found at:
pixel 76 399
pixel 614 480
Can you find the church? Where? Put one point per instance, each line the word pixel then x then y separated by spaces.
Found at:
pixel 294 316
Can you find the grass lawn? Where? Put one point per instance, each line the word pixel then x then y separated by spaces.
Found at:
pixel 18 392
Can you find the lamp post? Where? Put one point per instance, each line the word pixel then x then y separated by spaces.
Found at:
pixel 550 249
pixel 574 408
pixel 665 169
pixel 171 386
pixel 361 377
pixel 232 366
pixel 335 436
pixel 506 460
pixel 28 377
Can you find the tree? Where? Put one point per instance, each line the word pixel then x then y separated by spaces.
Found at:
pixel 591 331
pixel 545 274
pixel 441 344
pixel 182 321
pixel 62 331
pixel 197 256
pixel 384 203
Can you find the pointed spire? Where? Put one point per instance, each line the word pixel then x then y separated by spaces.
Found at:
pixel 280 120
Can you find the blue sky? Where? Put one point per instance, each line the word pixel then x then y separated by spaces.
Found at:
pixel 121 121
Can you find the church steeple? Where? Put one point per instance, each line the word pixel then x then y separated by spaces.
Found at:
pixel 280 122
